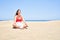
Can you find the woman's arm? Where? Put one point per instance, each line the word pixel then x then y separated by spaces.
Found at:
pixel 24 21
pixel 15 20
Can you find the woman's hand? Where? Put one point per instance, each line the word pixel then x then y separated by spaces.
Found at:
pixel 26 24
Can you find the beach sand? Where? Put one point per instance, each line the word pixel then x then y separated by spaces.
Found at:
pixel 49 30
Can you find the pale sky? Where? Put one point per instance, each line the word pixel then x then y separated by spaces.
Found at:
pixel 31 9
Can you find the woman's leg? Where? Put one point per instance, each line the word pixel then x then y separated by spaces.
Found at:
pixel 15 26
pixel 25 26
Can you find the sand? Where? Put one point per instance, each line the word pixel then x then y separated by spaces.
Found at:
pixel 49 30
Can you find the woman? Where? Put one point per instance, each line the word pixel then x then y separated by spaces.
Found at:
pixel 19 21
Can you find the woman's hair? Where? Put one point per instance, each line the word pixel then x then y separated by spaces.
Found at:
pixel 17 12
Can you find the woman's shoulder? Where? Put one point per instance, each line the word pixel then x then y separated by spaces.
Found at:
pixel 15 16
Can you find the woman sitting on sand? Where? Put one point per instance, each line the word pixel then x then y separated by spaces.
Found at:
pixel 19 21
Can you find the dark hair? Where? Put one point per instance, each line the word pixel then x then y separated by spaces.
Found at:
pixel 17 11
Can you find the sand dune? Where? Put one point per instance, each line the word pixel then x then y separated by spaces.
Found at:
pixel 49 30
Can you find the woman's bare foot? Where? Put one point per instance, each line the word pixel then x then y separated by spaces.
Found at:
pixel 25 27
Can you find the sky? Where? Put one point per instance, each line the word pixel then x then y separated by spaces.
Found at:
pixel 30 9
